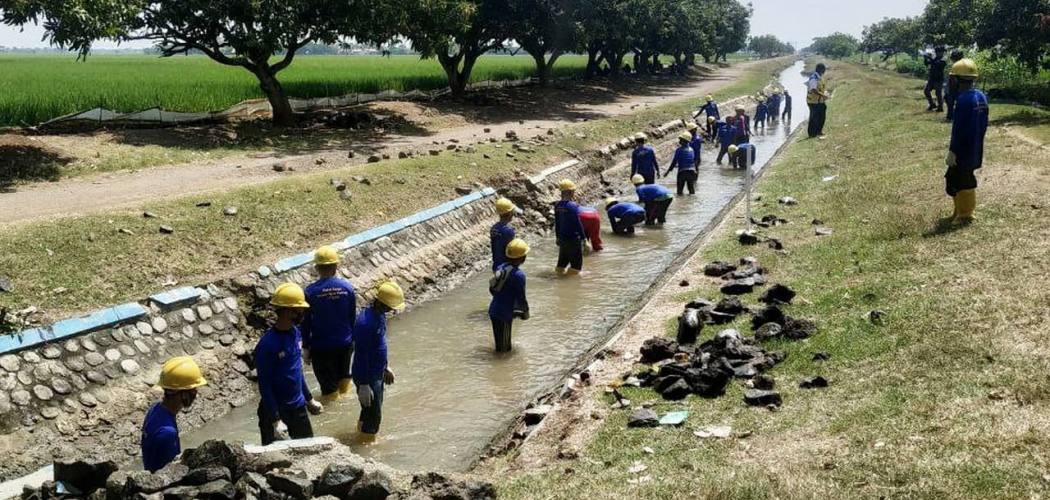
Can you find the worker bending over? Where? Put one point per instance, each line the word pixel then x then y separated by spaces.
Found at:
pixel 507 287
pixel 569 230
pixel 371 371
pixel 655 198
pixel 592 227
pixel 742 156
pixel 179 377
pixel 966 152
pixel 502 233
pixel 279 365
pixel 685 161
pixel 643 159
pixel 623 216
pixel 327 326
pixel 726 136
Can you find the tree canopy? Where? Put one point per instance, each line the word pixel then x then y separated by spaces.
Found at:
pixel 769 46
pixel 837 45
pixel 893 36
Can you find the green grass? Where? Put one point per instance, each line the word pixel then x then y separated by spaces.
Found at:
pixel 965 324
pixel 35 88
pixel 98 267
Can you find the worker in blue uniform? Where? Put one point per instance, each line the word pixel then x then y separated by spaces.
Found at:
pixel 696 142
pixel 761 112
pixel 726 137
pixel 327 327
pixel 685 161
pixel 935 78
pixel 623 216
pixel 655 198
pixel 502 233
pixel 180 377
pixel 774 106
pixel 371 367
pixel 279 365
pixel 569 231
pixel 742 156
pixel 787 106
pixel 643 159
pixel 507 287
pixel 710 108
pixel 742 123
pixel 952 87
pixel 966 151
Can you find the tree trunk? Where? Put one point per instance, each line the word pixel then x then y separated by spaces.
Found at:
pixel 690 59
pixel 615 63
pixel 283 115
pixel 457 82
pixel 656 61
pixel 539 55
pixel 592 62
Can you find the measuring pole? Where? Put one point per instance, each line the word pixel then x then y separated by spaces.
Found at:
pixel 747 187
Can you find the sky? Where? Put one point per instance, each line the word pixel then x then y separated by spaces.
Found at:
pixel 794 21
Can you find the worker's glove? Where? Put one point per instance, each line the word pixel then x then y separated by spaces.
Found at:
pixel 314 407
pixel 951 160
pixel 280 426
pixel 388 376
pixel 522 314
pixel 364 395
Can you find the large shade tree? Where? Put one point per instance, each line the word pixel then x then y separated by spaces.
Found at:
pixel 892 36
pixel 546 29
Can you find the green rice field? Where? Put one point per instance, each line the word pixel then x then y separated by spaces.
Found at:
pixel 36 88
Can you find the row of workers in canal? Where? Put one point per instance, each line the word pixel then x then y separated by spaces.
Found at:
pixel 321 324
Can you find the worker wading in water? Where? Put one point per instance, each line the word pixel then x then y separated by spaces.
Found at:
pixel 371 371
pixel 179 378
pixel 569 230
pixel 655 198
pixel 507 287
pixel 966 152
pixel 710 108
pixel 279 364
pixel 685 161
pixel 592 227
pixel 502 233
pixel 327 326
pixel 623 216
pixel 643 159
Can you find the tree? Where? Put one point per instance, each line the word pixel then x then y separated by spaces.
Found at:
pixel 546 29
pixel 769 46
pixel 953 22
pixel 605 35
pixel 893 36
pixel 242 33
pixel 732 27
pixel 836 45
pixel 1017 30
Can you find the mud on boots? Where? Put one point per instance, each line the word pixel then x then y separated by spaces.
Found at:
pixel 643 159
pixel 327 326
pixel 623 216
pixel 569 231
pixel 655 198
pixel 179 378
pixel 685 161
pixel 507 288
pixel 502 233
pixel 371 370
pixel 696 142
pixel 279 364
pixel 966 151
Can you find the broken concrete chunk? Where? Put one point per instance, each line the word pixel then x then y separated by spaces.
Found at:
pixel 787 200
pixel 813 382
pixel 758 397
pixel 778 294
pixel 643 417
pixel 738 287
pixel 718 268
pixel 658 349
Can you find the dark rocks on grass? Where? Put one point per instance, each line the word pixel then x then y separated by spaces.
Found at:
pixel 816 382
pixel 149 215
pixel 797 329
pixel 658 349
pixel 279 167
pixel 738 287
pixel 436 486
pixel 85 476
pixel 763 382
pixel 731 305
pixel 717 318
pixel 167 229
pixel 775 244
pixel 821 356
pixel 683 283
pixel 718 268
pixel 203 204
pixel 745 271
pixel 374 159
pixel 876 317
pixel 373 485
pixel 643 417
pixel 778 294
pixel 293 485
pixel 701 304
pixel 677 391
pixel 690 324
pixel 768 331
pixel 464 190
pixel 747 238
pixel 817 222
pixel 197 477
pixel 768 314
pixel 536 414
pixel 338 480
pixel 758 397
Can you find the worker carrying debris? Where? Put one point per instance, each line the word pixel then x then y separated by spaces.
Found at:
pixel 569 230
pixel 643 159
pixel 371 370
pixel 179 378
pixel 327 327
pixel 655 198
pixel 502 233
pixel 279 365
pixel 623 216
pixel 685 161
pixel 507 287
pixel 966 151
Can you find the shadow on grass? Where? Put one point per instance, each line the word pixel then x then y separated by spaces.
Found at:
pixel 944 226
pixel 1023 118
pixel 22 162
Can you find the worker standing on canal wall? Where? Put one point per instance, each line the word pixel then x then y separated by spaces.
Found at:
pixel 327 326
pixel 279 364
pixel 507 287
pixel 179 377
pixel 502 233
pixel 371 371
pixel 569 230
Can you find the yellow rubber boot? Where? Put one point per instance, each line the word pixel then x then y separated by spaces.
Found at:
pixel 345 386
pixel 365 438
pixel 327 399
pixel 967 201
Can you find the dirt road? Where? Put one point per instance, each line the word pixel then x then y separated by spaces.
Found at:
pixel 85 195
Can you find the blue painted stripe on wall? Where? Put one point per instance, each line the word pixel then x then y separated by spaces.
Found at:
pixel 176 296
pixel 289 263
pixel 74 326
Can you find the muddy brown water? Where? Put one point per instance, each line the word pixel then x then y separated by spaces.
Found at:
pixel 453 393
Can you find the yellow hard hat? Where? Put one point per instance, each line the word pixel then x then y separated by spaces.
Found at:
pixel 391 295
pixel 965 68
pixel 740 107
pixel 505 206
pixel 733 149
pixel 641 137
pixel 711 119
pixel 691 126
pixel 517 248
pixel 567 185
pixel 709 98
pixel 638 179
pixel 610 200
pixel 685 136
pixel 181 373
pixel 326 255
pixel 289 295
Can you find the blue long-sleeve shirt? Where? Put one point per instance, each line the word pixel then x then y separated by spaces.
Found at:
pixel 567 225
pixel 711 109
pixel 698 147
pixel 279 364
pixel 726 134
pixel 969 128
pixel 370 351
pixel 643 161
pixel 500 236
pixel 622 210
pixel 508 293
pixel 684 159
pixel 329 322
pixel 652 192
pixel 761 112
pixel 747 151
pixel 160 438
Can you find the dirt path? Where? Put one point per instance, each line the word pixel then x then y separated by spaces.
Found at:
pixel 87 195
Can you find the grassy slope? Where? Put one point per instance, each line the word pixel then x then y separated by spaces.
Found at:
pixel 284 217
pixel 948 399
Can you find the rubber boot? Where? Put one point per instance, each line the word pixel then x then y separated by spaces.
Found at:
pixel 572 272
pixel 955 208
pixel 364 438
pixel 967 200
pixel 327 399
pixel 345 386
